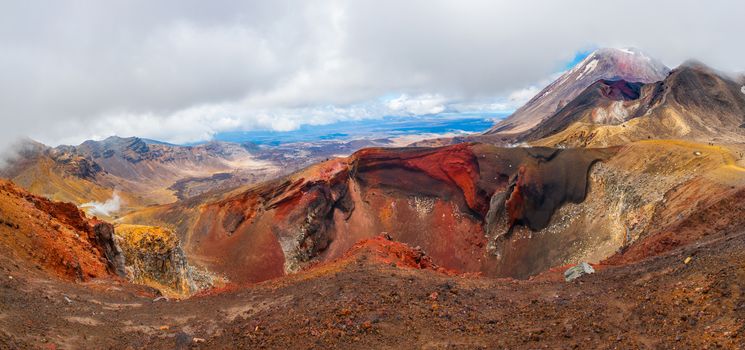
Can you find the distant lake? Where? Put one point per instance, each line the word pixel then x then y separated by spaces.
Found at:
pixel 371 128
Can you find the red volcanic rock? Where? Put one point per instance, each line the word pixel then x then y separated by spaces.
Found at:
pixel 382 250
pixel 516 202
pixel 66 213
pixel 246 237
pixel 619 90
pixel 455 165
pixel 448 201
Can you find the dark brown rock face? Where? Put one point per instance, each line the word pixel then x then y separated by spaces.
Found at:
pixel 104 235
pixel 544 184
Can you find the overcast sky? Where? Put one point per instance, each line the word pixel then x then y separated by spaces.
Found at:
pixel 180 71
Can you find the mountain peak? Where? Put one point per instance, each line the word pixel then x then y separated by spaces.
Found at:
pixel 630 65
pixel 119 139
pixel 693 63
pixel 697 66
pixel 693 67
pixel 613 51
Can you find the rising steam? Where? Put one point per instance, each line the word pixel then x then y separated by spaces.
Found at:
pixel 106 208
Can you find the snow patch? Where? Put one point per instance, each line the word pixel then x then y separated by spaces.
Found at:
pixel 588 68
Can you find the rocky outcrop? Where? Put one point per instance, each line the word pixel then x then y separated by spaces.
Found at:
pixel 383 250
pixel 104 235
pixel 75 165
pixel 153 257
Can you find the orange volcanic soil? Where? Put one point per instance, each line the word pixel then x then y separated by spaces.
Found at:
pixel 363 301
pixel 53 236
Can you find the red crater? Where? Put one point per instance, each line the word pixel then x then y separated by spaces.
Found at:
pixel 447 201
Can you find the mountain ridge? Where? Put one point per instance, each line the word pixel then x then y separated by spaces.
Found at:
pixel 140 171
pixel 694 102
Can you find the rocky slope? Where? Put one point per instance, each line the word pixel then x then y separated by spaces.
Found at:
pixel 156 164
pixel 603 64
pixel 363 301
pixel 606 102
pixel 55 240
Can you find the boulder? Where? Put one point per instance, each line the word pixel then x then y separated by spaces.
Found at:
pixel 577 271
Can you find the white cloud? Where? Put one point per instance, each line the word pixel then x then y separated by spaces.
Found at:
pixel 203 122
pixel 417 105
pixel 183 70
